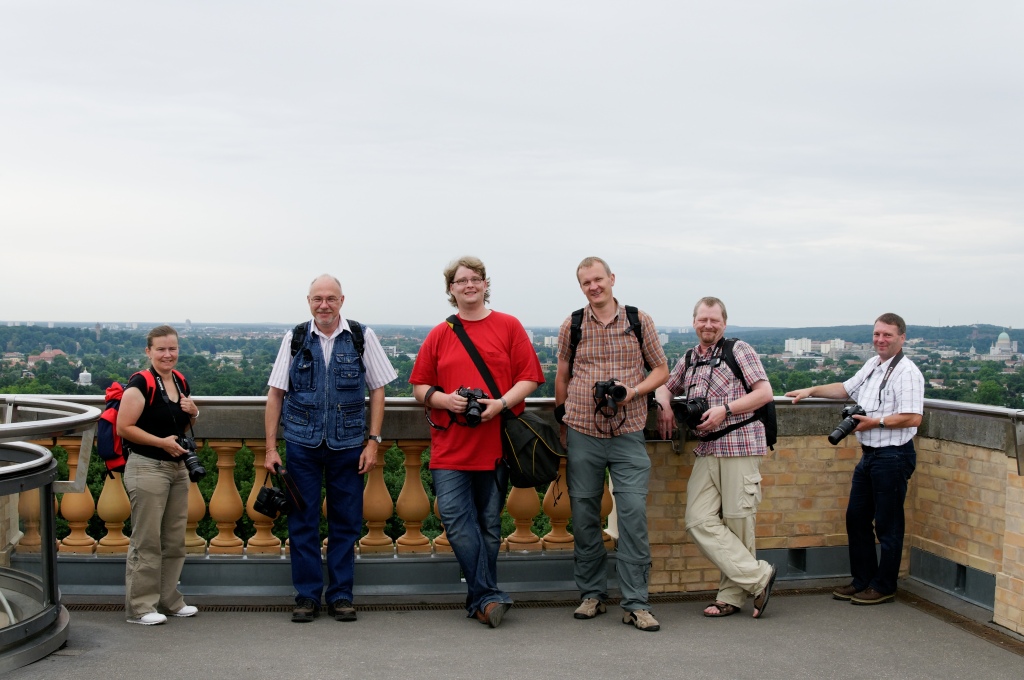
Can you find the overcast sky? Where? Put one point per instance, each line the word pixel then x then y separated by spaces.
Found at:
pixel 812 163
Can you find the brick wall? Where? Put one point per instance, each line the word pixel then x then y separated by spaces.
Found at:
pixel 1009 609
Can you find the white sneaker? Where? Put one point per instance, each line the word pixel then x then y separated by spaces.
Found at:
pixel 150 619
pixel 187 610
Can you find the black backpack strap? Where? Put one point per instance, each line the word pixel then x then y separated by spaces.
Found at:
pixel 575 334
pixel 356 329
pixel 485 373
pixel 633 316
pixel 730 359
pixel 299 336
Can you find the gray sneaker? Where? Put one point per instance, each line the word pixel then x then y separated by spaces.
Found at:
pixel 642 619
pixel 590 608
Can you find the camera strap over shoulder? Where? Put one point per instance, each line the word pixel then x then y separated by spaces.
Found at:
pixel 460 332
pixel 182 392
pixel 888 373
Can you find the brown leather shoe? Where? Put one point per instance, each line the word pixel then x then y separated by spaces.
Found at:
pixel 492 613
pixel 844 593
pixel 305 610
pixel 871 596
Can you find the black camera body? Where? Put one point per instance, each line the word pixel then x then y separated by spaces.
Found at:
pixel 195 468
pixel 608 392
pixel 271 501
pixel 847 425
pixel 690 411
pixel 474 409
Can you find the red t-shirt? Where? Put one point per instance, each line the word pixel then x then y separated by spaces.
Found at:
pixel 443 361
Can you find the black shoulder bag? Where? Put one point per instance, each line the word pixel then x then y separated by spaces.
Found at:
pixel 530 445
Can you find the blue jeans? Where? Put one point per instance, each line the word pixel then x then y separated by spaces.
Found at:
pixel 309 467
pixel 470 503
pixel 876 496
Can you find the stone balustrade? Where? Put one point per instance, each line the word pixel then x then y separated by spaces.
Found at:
pixel 965 504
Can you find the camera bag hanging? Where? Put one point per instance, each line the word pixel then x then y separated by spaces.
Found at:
pixel 530 446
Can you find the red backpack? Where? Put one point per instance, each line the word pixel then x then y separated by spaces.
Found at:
pixel 108 443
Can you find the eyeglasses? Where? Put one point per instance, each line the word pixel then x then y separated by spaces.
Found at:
pixel 332 300
pixel 476 281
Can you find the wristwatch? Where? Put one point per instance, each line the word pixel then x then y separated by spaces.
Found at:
pixel 881 422
pixel 375 437
pixel 728 411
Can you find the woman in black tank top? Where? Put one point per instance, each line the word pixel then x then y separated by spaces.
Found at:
pixel 154 411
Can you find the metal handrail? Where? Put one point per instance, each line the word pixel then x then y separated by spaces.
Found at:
pixel 69 418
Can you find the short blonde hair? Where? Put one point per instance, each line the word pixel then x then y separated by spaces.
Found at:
pixel 469 262
pixel 710 302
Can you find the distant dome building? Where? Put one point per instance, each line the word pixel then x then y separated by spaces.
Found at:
pixel 1004 347
pixel 85 378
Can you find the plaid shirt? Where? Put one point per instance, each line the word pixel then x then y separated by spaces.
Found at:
pixel 721 387
pixel 606 353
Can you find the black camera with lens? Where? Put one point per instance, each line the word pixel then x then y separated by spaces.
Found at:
pixel 474 409
pixel 847 425
pixel 195 468
pixel 271 501
pixel 690 411
pixel 609 393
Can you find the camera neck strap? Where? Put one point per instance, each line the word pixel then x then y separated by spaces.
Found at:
pixel 167 399
pixel 481 367
pixel 888 372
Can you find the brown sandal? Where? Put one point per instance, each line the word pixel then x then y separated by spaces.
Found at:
pixel 723 608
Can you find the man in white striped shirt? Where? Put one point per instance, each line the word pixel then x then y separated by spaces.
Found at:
pixel 890 389
pixel 319 383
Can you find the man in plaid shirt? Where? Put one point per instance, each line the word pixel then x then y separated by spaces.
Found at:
pixel 609 438
pixel 725 486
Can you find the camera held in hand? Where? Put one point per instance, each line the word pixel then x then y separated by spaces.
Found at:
pixel 273 501
pixel 607 393
pixel 690 411
pixel 474 409
pixel 847 425
pixel 195 468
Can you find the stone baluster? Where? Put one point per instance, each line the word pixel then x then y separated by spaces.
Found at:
pixel 113 508
pixel 194 543
pixel 558 509
pixel 263 542
pixel 523 505
pixel 77 508
pixel 28 510
pixel 226 503
pixel 413 505
pixel 441 544
pixel 606 510
pixel 377 510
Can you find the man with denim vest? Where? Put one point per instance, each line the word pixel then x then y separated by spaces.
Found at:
pixel 320 389
pixel 890 389
pixel 724 488
pixel 608 436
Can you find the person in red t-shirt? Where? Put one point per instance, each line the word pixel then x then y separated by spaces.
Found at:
pixel 465 462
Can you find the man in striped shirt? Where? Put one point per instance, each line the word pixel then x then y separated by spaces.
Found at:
pixel 890 389
pixel 724 489
pixel 319 384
